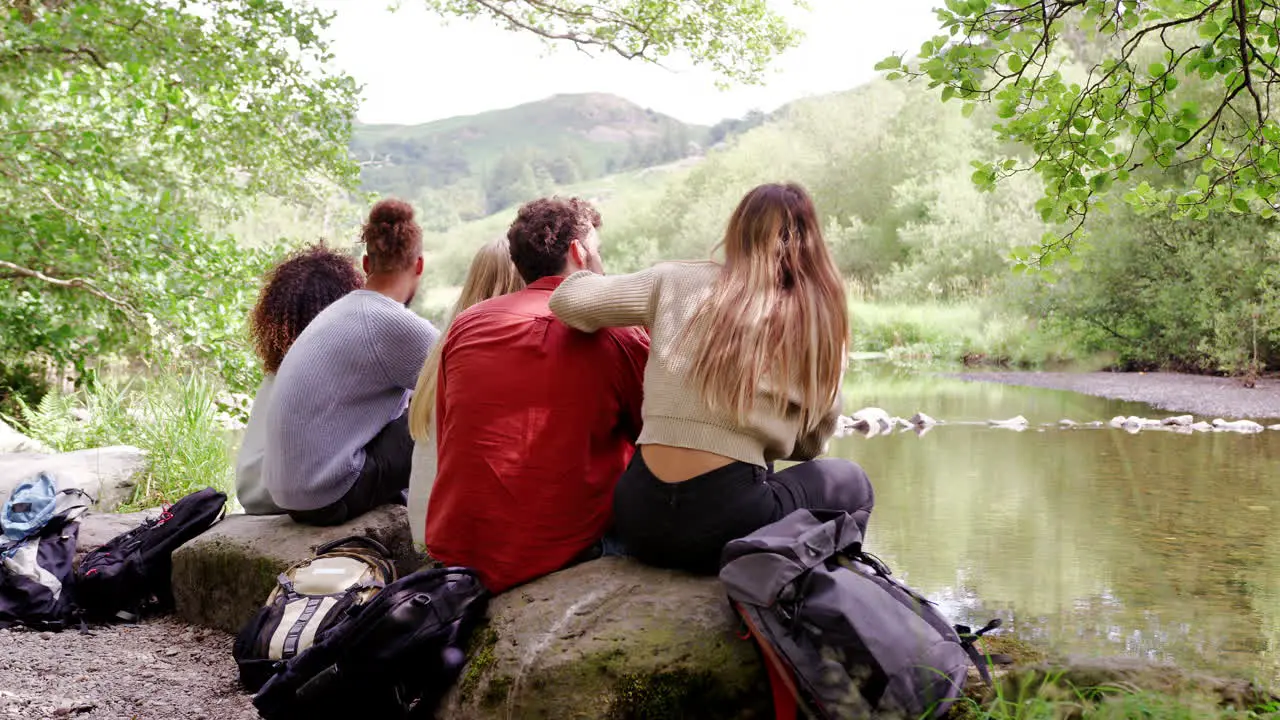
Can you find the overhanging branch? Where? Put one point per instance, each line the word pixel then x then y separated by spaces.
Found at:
pixel 79 283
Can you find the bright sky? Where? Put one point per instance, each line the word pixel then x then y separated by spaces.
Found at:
pixel 417 67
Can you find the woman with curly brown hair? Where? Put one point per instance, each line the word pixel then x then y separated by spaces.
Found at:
pixel 295 291
pixel 338 441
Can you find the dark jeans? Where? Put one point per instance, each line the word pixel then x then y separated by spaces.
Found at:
pixel 686 525
pixel 382 481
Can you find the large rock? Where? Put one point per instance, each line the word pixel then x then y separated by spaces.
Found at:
pixel 108 474
pixel 12 441
pixel 222 577
pixel 611 639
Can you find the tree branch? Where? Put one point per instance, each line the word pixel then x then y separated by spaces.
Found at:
pixel 1238 11
pixel 72 283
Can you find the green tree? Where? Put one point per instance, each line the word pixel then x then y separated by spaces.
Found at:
pixel 124 124
pixel 735 38
pixel 1164 84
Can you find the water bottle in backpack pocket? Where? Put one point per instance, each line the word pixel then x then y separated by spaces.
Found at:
pixel 308 599
pixel 840 636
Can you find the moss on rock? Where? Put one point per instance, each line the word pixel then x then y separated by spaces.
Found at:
pixel 613 640
pixel 480 660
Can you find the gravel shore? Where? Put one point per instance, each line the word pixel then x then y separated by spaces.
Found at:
pixel 1205 396
pixel 157 670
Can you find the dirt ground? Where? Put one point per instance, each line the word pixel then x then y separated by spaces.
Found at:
pixel 1208 397
pixel 157 670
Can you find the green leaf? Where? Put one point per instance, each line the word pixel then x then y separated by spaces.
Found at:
pixel 890 63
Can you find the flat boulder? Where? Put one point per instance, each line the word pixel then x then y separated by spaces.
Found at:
pixel 108 474
pixel 611 639
pixel 222 577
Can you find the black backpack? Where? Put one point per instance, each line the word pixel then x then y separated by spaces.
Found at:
pixel 394 658
pixel 840 636
pixel 131 574
pixel 308 599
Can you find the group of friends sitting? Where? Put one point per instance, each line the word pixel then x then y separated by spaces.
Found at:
pixel 564 414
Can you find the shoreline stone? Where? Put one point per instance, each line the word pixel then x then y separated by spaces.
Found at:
pixel 222 577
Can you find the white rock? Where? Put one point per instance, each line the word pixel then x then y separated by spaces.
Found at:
pixel 922 420
pixel 1118 421
pixel 1201 427
pixel 12 441
pixel 1179 420
pixel 1067 423
pixel 1018 423
pixel 1242 426
pixel 1273 427
pixel 874 416
pixel 107 474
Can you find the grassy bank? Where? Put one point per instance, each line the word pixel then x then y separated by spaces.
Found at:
pixel 1056 701
pixel 970 332
pixel 179 421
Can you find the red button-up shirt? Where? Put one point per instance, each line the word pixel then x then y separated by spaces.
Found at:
pixel 535 423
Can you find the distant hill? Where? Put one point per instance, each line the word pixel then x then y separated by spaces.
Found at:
pixel 465 168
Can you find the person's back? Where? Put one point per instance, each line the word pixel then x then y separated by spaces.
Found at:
pixel 536 421
pixel 294 292
pixel 337 440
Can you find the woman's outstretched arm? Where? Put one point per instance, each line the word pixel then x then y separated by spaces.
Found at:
pixel 587 301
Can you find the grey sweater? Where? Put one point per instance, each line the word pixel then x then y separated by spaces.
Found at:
pixel 346 376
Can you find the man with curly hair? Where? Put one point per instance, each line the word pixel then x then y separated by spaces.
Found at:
pixel 295 291
pixel 535 421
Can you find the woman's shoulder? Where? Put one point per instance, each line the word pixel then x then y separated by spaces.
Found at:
pixel 689 270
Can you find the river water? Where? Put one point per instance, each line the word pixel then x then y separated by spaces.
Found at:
pixel 1092 541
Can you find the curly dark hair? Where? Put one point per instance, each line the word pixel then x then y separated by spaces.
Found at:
pixel 296 290
pixel 542 232
pixel 392 239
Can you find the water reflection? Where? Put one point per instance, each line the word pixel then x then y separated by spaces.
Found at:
pixel 1096 541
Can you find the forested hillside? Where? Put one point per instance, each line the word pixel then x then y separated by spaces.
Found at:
pixel 465 168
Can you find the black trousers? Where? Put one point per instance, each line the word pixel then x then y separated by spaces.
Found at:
pixel 686 525
pixel 382 481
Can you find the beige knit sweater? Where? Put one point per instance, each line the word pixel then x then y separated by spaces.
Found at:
pixel 664 298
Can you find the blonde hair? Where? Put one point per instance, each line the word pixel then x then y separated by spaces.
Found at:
pixel 776 316
pixel 491 274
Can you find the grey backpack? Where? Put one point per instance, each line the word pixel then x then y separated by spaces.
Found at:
pixel 840 636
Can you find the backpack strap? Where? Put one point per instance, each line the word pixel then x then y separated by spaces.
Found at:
pixel 786 697
pixel 967 640
pixel 354 540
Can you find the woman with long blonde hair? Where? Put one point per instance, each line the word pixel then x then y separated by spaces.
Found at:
pixel 745 368
pixel 491 274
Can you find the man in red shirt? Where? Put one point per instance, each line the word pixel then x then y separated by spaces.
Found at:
pixel 536 421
